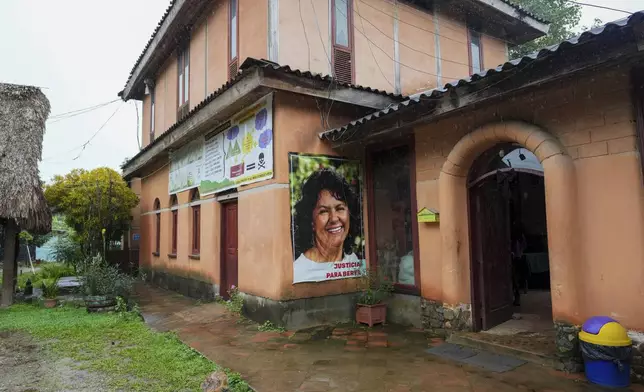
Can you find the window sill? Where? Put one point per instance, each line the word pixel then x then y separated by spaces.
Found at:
pixel 155 254
pixel 194 256
pixel 172 255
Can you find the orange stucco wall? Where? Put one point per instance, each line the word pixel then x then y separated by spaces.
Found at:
pixel 198 63
pixel 217 45
pixel 253 29
pixel 265 252
pixel 591 118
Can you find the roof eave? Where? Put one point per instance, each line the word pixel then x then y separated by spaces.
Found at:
pixel 526 27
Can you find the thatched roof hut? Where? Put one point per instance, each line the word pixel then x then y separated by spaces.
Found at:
pixel 23 112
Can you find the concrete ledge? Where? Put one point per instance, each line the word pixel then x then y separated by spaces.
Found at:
pixel 189 287
pixel 301 313
pixel 403 309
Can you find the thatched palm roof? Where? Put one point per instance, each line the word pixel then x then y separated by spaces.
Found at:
pixel 23 112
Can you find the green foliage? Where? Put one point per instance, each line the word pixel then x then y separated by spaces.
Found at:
pixel 375 287
pixel 236 302
pixel 66 249
pixel 50 288
pixel 92 201
pixel 99 278
pixel 46 271
pixel 563 17
pixel 133 357
pixel 267 326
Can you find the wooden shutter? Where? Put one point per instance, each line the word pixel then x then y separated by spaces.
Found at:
pixel 342 69
pixel 233 68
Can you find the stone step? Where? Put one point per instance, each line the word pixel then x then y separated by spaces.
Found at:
pixel 471 340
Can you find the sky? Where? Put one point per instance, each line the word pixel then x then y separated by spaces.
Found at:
pixel 81 52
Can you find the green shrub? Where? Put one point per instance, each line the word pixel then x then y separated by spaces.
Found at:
pixel 50 288
pixel 99 278
pixel 46 271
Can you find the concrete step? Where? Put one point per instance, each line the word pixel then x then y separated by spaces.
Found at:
pixel 473 341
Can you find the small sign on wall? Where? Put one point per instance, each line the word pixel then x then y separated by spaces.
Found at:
pixel 136 237
pixel 428 215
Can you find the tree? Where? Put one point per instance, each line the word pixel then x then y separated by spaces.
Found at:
pixel 563 17
pixel 96 204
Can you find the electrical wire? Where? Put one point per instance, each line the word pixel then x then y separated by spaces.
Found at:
pixel 77 112
pixel 84 145
pixel 603 7
pixel 370 49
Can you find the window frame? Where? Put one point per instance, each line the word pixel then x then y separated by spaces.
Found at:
pixel 231 59
pixel 152 113
pixel 347 49
pixel 157 228
pixel 174 223
pixel 196 224
pixel 371 213
pixel 183 80
pixel 471 33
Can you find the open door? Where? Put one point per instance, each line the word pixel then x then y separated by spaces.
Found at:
pixel 229 265
pixel 491 251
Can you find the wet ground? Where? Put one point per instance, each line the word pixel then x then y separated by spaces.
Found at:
pixel 26 367
pixel 341 358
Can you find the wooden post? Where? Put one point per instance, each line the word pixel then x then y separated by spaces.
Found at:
pixel 9 272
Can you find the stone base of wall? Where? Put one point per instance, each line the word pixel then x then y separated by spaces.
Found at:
pixel 440 319
pixel 404 310
pixel 567 342
pixel 301 313
pixel 189 287
pixel 637 365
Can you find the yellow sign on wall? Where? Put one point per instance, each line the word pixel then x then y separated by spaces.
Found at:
pixel 428 215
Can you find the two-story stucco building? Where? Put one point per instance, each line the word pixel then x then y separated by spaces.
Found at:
pixel 479 196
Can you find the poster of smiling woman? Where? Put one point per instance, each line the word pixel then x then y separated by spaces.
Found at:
pixel 326 218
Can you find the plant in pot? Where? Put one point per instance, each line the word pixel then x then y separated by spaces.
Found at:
pixel 50 292
pixel 102 283
pixel 375 288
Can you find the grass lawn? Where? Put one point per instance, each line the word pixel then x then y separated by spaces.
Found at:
pixel 121 347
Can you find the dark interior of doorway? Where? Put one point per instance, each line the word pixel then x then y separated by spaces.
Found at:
pixel 510 266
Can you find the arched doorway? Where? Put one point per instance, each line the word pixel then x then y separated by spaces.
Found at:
pixel 510 271
pixel 560 201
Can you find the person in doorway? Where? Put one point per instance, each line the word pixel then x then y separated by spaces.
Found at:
pixel 326 224
pixel 519 264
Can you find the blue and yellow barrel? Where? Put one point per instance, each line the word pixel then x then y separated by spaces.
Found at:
pixel 607 351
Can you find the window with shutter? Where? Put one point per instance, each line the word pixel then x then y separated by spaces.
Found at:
pixel 233 38
pixel 342 20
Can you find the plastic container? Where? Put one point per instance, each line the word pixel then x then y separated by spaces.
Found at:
pixel 607 351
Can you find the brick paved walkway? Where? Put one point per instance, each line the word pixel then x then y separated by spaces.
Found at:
pixel 345 358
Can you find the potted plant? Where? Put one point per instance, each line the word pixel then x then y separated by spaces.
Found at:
pixel 102 283
pixel 50 292
pixel 375 288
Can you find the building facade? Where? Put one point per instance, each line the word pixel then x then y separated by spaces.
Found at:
pixel 517 189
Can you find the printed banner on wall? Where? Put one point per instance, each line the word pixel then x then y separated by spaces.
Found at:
pixel 186 165
pixel 326 218
pixel 243 153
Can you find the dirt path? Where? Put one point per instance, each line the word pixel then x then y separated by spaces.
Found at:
pixel 27 367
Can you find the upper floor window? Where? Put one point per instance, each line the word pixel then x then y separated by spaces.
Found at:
pixel 174 206
pixel 233 38
pixel 476 53
pixel 196 223
pixel 152 111
pixel 183 61
pixel 342 27
pixel 157 228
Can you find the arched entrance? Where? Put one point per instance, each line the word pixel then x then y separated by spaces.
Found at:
pixel 509 252
pixel 560 192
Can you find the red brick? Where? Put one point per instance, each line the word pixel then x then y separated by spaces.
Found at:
pixel 613 131
pixel 589 121
pixel 354 348
pixel 341 331
pixel 288 334
pixel 372 334
pixel 354 343
pixel 290 345
pixel 575 138
pixel 593 150
pixel 622 113
pixel 624 144
pixel 377 343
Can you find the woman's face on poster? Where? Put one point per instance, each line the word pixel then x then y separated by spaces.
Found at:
pixel 330 221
